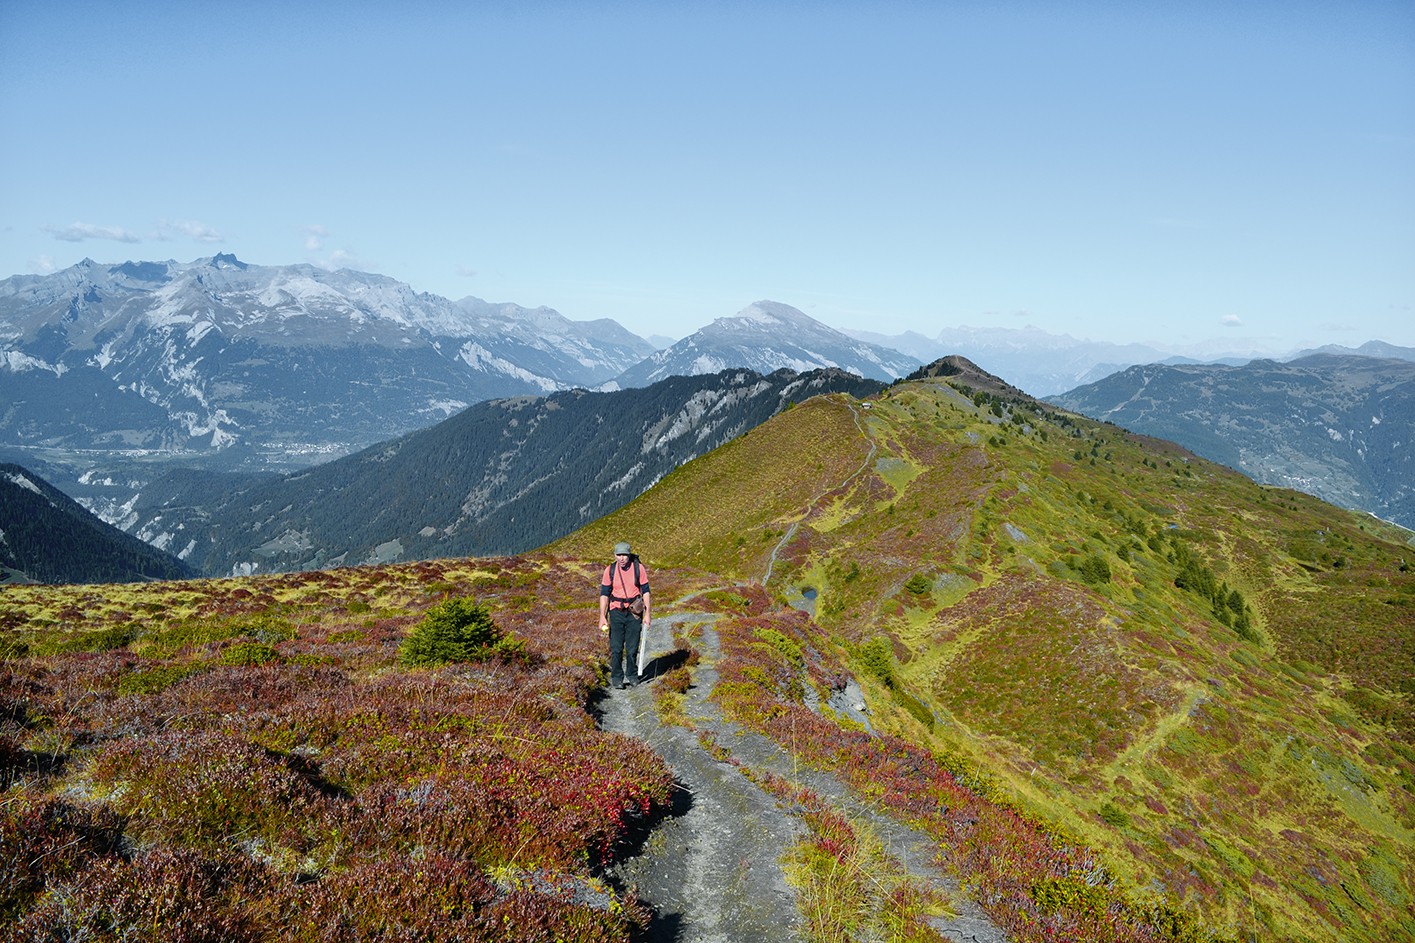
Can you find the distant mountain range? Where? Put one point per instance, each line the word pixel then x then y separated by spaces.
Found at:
pixel 1369 349
pixel 769 336
pixel 113 375
pixel 1046 364
pixel 45 537
pixel 500 477
pixel 1338 426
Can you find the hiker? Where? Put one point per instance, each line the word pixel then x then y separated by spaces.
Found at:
pixel 624 613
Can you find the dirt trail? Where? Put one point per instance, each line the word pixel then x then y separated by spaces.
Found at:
pixel 712 872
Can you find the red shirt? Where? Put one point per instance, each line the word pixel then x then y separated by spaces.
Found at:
pixel 618 583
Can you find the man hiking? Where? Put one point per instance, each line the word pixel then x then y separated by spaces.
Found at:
pixel 624 613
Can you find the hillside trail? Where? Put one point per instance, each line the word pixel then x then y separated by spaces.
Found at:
pixel 712 871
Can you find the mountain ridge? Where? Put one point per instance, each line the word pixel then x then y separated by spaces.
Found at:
pixel 253 356
pixel 1108 624
pixel 1047 365
pixel 502 476
pixel 1335 425
pixel 46 537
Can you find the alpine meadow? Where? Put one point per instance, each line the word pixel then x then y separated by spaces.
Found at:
pixel 1127 695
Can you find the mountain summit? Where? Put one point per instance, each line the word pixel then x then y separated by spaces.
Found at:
pixel 768 336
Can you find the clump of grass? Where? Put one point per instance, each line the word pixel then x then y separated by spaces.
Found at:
pixel 848 887
pixel 669 695
pixel 727 600
pixel 154 680
pixel 248 654
pixel 92 640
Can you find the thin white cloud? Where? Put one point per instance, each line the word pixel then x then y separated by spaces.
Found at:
pixel 170 229
pixel 314 237
pixel 78 232
pixel 466 271
pixel 1232 320
pixel 343 258
pixel 43 265
pixel 316 241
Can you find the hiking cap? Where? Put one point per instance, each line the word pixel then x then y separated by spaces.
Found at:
pixel 622 547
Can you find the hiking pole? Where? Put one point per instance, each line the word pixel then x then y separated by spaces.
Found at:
pixel 643 647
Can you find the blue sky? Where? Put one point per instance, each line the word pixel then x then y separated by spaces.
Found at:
pixel 1171 172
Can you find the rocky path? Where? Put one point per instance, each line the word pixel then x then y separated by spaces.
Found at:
pixel 712 871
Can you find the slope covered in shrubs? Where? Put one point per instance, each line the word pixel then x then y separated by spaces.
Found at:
pixel 157 785
pixel 1206 681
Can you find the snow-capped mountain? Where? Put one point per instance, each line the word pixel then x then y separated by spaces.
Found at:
pixel 217 354
pixel 768 336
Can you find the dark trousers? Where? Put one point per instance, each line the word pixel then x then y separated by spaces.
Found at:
pixel 623 646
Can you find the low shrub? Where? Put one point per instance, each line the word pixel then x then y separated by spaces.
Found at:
pixel 457 630
pixel 877 657
pixel 1094 569
pixel 918 584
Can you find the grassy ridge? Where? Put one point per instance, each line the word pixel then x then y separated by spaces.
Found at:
pixel 726 514
pixel 1208 681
